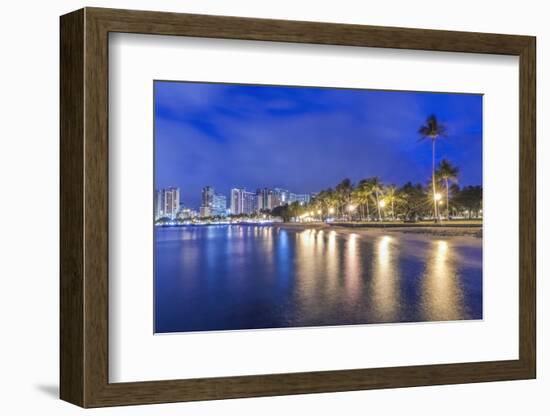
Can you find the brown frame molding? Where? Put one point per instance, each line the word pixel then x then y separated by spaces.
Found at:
pixel 84 207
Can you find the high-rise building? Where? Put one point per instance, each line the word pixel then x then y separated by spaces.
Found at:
pixel 167 202
pixel 207 201
pixel 205 211
pixel 249 202
pixel 219 205
pixel 236 203
pixel 301 198
pixel 157 202
pixel 280 197
pixel 242 201
pixel 207 196
pixel 264 198
pixel 212 204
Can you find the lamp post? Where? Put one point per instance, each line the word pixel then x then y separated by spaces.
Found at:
pixel 437 199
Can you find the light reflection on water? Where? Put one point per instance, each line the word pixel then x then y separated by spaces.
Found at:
pixel 244 277
pixel 442 293
pixel 385 279
pixel 352 269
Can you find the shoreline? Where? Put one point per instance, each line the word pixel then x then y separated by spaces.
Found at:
pixel 442 230
pixel 439 230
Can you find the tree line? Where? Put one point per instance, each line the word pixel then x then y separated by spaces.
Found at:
pixel 371 200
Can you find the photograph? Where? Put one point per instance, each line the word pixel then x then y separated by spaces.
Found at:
pixel 285 206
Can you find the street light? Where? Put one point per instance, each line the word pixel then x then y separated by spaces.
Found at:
pixel 382 204
pixel 437 199
pixel 319 212
pixel 331 210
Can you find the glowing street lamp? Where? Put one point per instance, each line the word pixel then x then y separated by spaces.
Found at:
pixel 382 204
pixel 331 210
pixel 437 202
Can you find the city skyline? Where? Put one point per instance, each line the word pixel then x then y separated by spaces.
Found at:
pixel 167 202
pixel 304 138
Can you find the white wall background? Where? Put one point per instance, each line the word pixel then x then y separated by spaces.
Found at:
pixel 29 84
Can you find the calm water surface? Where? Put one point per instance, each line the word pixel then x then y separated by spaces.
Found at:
pixel 243 277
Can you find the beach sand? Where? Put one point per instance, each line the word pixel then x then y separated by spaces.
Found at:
pixel 440 231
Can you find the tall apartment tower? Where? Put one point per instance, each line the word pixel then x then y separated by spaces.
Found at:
pixel 265 199
pixel 212 204
pixel 167 202
pixel 207 202
pixel 237 201
pixel 242 201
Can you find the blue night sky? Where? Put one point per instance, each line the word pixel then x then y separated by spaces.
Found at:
pixel 305 139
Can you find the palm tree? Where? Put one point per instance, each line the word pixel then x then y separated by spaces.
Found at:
pixel 343 192
pixel 323 200
pixel 392 196
pixel 356 198
pixel 447 172
pixel 432 130
pixel 454 191
pixel 363 193
pixel 376 188
pixel 332 199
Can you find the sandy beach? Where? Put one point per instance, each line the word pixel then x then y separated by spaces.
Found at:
pixel 440 230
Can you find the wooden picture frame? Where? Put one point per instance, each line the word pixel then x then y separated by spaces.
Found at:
pixel 84 207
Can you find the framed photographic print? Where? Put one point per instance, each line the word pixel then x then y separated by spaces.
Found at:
pixel 257 207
